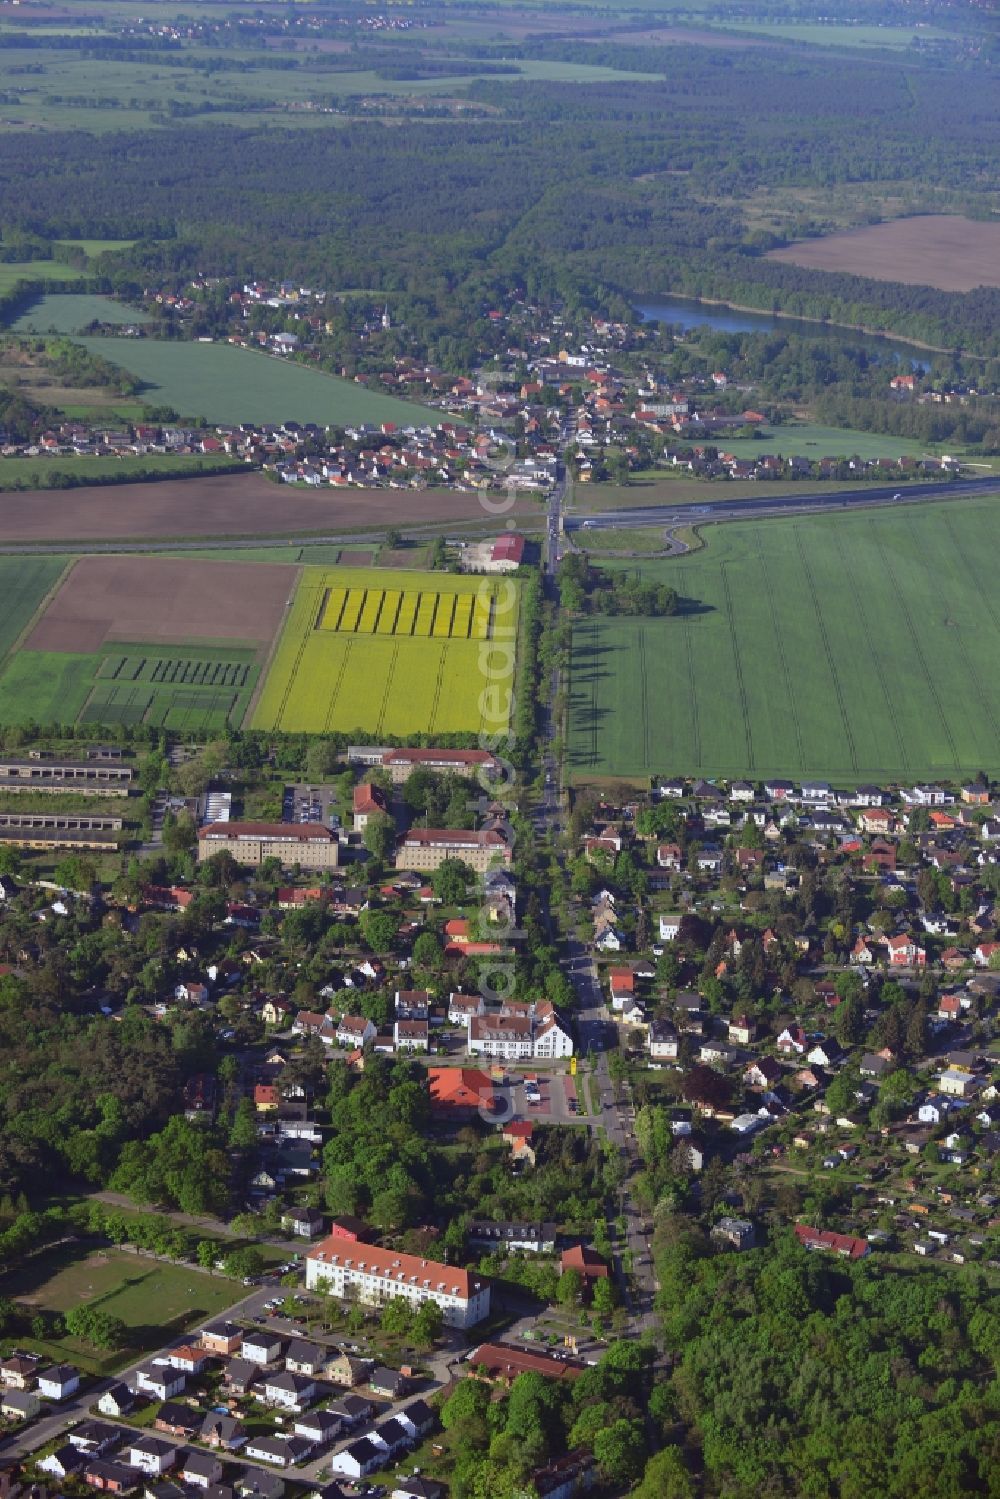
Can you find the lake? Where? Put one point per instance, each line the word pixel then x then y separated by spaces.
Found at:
pixel 687 312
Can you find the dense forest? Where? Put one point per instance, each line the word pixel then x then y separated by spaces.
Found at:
pixel 585 195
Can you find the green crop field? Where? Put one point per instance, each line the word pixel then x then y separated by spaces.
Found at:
pixel 819 35
pixel 803 440
pixel 24 582
pixel 224 383
pixel 71 312
pixel 853 647
pixel 38 473
pixel 196 691
pixel 12 271
pixel 356 654
pixel 153 1300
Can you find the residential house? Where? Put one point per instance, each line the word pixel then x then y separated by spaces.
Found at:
pixel 290 1392
pixel 176 1419
pixel 589 1264
pixel 304 1358
pixel 261 1346
pixel 19 1405
pixel 222 1433
pixel 737 1233
pixel 109 1476
pixel 58 1382
pixel 359 1459
pixel 524 1238
pixel 320 1428
pixel 304 1223
pixel 117 1401
pixel 201 1469
pixel 355 1031
pixel 152 1455
pixel 240 1375
pixel 661 1040
pixel 283 1452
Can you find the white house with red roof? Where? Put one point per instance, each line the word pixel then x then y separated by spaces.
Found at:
pixel 374 1276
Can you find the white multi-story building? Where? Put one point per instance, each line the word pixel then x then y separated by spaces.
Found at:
pixel 374 1276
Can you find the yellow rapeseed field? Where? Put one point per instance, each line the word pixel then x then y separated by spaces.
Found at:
pixel 414 657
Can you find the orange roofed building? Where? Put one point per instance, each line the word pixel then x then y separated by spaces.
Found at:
pixel 459 1091
pixel 375 1276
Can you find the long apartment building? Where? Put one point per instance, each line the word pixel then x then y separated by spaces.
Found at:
pixel 307 844
pixel 374 1276
pixel 82 777
pixel 59 830
pixel 401 763
pixel 428 848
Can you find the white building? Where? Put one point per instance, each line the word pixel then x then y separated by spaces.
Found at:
pixel 375 1275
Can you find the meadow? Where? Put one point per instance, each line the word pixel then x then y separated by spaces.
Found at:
pixel 70 312
pixel 852 647
pixel 224 383
pixel 153 1300
pixel 39 473
pixel 400 659
pixel 74 91
pixel 12 271
pixel 805 440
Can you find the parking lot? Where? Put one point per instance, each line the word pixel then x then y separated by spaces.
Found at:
pixel 556 1099
pixel 310 804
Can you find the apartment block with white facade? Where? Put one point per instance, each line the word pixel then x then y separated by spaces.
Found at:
pixel 374 1276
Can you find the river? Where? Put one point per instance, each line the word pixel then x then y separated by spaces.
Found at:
pixel 687 312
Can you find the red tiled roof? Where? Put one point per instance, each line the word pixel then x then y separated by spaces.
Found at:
pixel 501 1361
pixel 459 1087
pixel 392 1265
pixel 299 832
pixel 822 1238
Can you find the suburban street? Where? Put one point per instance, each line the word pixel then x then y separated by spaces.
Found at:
pixel 617 1113
pixel 249 1308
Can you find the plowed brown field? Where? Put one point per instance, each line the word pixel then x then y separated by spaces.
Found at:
pixel 942 250
pixel 163 599
pixel 230 505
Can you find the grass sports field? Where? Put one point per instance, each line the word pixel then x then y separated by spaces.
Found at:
pixel 851 647
pixel 391 653
pixel 224 383
pixel 153 1300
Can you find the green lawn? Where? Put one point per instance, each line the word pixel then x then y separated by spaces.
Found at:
pixel 154 1300
pixel 70 312
pixel 37 473
pixel 24 582
pixel 12 271
pixel 224 383
pixel 804 440
pixel 853 647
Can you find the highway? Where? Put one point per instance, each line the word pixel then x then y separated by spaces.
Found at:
pixel 854 498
